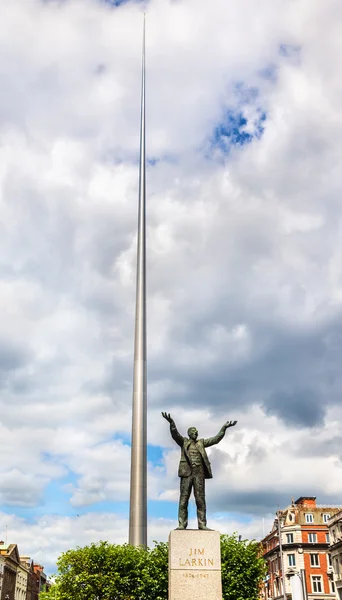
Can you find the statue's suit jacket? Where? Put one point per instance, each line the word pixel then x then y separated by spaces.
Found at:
pixel 184 469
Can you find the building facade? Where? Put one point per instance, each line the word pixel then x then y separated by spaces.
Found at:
pixel 32 592
pixel 21 582
pixel 10 556
pixel 41 579
pixel 335 533
pixel 297 553
pixel 2 568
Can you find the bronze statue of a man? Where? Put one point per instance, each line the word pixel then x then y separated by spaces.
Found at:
pixel 194 469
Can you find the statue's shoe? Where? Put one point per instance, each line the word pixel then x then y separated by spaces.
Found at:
pixel 204 528
pixel 180 527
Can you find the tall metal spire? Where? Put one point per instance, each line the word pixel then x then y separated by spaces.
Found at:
pixel 138 493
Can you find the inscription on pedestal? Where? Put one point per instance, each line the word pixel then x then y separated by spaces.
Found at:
pixel 194 565
pixel 199 561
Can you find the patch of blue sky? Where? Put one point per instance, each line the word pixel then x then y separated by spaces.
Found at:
pixel 120 157
pixel 245 122
pixel 114 3
pixel 234 130
pixel 244 519
pixel 105 506
pixel 123 437
pixel 164 158
pixel 291 51
pixel 162 509
pixel 119 2
pixel 155 455
pixel 155 508
pixel 270 72
pixel 54 500
pixel 245 94
pixel 48 457
pixel 24 512
pixel 240 123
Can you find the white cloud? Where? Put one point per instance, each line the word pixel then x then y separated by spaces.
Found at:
pixel 244 251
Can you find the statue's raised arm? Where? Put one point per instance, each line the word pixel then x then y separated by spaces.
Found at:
pixel 217 438
pixel 179 439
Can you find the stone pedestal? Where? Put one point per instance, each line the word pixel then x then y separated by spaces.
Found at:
pixel 194 565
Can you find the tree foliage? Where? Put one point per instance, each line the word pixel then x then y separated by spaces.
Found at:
pixel 243 568
pixel 106 571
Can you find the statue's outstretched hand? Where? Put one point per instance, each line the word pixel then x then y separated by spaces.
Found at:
pixel 168 417
pixel 230 424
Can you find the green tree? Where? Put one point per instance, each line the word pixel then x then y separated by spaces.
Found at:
pixel 243 568
pixel 106 571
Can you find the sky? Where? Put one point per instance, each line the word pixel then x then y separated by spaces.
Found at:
pixel 244 253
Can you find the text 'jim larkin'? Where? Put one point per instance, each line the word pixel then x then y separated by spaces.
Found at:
pixel 199 561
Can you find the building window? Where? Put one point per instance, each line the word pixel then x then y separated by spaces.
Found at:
pixel 337 566
pixel 292 560
pixel 316 584
pixel 332 586
pixel 312 538
pixel 329 560
pixel 309 518
pixel 314 560
pixel 327 538
pixel 326 517
pixel 289 538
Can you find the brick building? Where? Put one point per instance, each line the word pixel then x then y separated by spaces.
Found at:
pixel 335 532
pixel 301 560
pixel 41 579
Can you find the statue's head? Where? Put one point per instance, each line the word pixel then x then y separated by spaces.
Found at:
pixel 193 433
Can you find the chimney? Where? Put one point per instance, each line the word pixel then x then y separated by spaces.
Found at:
pixel 308 501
